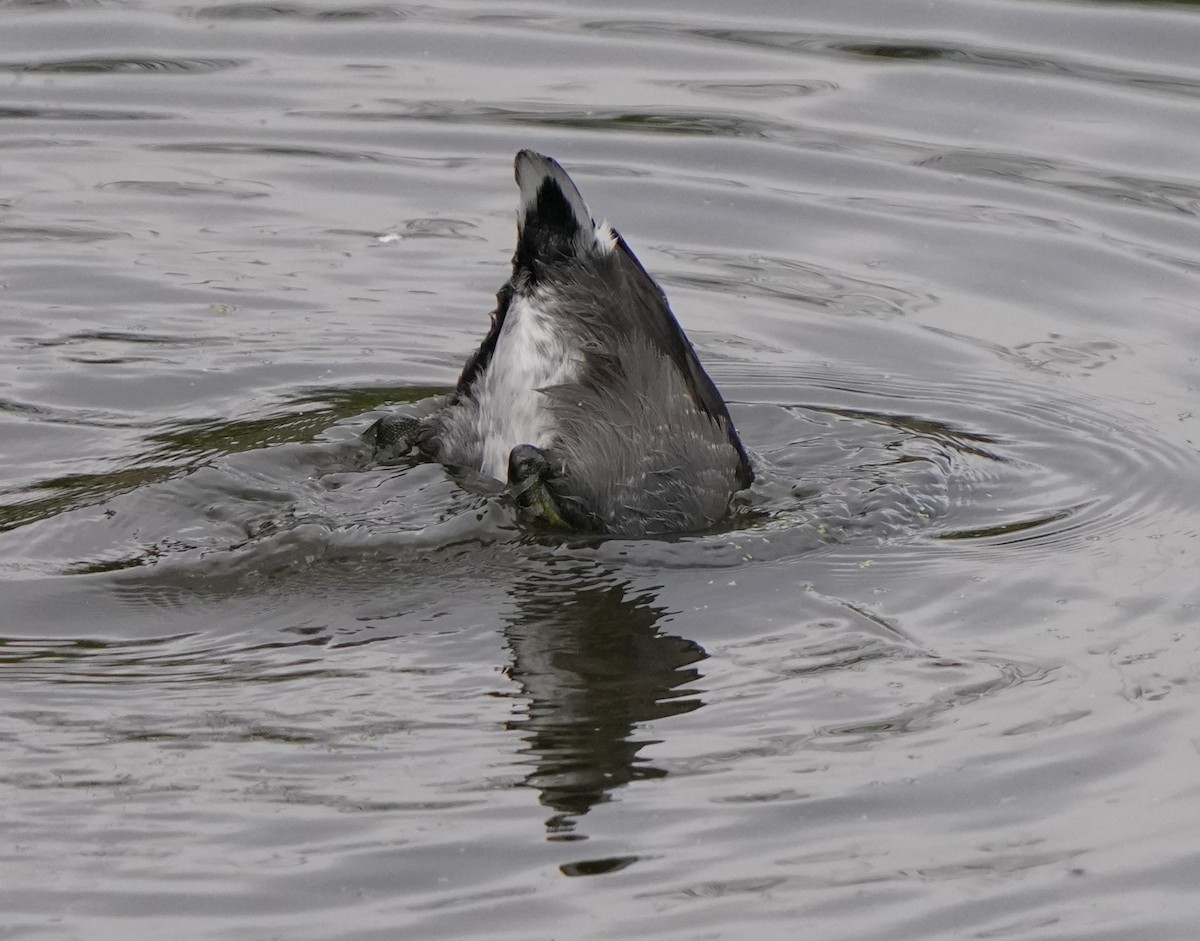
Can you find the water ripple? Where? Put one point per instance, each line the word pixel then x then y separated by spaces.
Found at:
pixel 1172 196
pixel 280 150
pixel 941 260
pixel 295 11
pixel 163 660
pixel 682 122
pixel 69 115
pixel 224 189
pixel 122 64
pixel 45 233
pixel 751 89
pixel 816 42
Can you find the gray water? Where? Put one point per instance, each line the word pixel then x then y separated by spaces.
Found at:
pixel 937 677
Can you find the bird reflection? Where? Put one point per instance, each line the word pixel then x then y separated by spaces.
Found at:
pixel 588 654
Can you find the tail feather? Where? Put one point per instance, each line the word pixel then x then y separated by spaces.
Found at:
pixel 554 221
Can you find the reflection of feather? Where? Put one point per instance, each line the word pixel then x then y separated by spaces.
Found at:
pixel 585 360
pixel 594 664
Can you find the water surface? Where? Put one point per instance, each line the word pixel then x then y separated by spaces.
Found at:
pixel 935 678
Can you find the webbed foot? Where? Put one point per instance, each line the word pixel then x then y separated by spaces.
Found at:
pixel 395 436
pixel 529 473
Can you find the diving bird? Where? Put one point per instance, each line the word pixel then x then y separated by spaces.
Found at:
pixel 586 396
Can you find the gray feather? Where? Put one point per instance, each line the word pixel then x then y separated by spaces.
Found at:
pixel 638 435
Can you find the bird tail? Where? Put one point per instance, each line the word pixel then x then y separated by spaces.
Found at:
pixel 554 223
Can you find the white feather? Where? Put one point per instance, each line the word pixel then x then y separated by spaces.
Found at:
pixel 531 354
pixel 604 238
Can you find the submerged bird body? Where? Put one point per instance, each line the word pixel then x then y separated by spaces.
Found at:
pixel 586 395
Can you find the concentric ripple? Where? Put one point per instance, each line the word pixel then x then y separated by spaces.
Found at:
pixel 843 462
